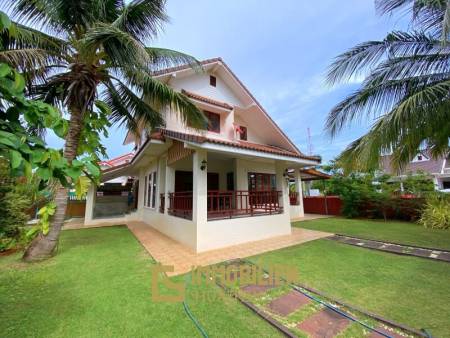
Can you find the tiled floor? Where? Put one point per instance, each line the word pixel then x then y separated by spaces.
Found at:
pixel 170 252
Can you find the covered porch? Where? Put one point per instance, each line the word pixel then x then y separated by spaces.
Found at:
pixel 227 185
pixel 208 196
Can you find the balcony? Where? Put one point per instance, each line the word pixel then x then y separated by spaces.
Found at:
pixel 228 204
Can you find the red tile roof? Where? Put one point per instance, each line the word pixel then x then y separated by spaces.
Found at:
pixel 316 174
pixel 238 144
pixel 183 67
pixel 118 160
pixel 206 99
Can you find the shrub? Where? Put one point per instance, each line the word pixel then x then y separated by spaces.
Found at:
pixel 436 213
pixel 14 203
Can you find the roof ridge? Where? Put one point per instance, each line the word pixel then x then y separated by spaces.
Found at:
pixel 184 66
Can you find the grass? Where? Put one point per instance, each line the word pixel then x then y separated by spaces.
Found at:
pixel 394 231
pixel 409 290
pixel 99 285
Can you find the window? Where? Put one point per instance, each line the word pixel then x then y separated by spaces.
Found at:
pixel 212 80
pixel 150 190
pixel 261 182
pixel 154 189
pixel 419 157
pixel 213 121
pixel 145 189
pixel 243 133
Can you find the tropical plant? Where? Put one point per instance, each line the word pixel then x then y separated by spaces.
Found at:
pixel 406 88
pixel 96 64
pixel 418 184
pixel 13 206
pixel 436 213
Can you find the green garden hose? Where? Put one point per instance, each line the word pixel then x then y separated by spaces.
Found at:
pixel 194 320
pixel 192 317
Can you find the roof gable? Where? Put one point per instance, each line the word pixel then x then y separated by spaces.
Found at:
pixel 251 110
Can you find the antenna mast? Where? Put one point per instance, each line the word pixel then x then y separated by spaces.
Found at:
pixel 310 147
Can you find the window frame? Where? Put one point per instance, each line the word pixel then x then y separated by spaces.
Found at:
pixel 151 188
pixel 208 127
pixel 244 135
pixel 212 81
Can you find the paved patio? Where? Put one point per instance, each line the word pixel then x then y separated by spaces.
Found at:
pixel 170 252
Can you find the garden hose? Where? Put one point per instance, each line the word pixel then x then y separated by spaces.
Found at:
pixel 192 317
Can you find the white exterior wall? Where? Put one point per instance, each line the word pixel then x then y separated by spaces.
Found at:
pixel 199 84
pixel 182 230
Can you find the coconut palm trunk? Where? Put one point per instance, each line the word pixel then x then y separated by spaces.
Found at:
pixel 99 55
pixel 43 247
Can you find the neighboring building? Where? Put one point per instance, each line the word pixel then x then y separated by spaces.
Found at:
pixel 438 169
pixel 203 188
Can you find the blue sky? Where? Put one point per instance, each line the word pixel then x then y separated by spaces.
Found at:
pixel 280 50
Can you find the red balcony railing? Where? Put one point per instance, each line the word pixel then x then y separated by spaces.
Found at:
pixel 228 204
pixel 293 198
pixel 180 204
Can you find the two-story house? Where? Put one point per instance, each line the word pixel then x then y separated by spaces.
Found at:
pixel 217 187
pixel 437 168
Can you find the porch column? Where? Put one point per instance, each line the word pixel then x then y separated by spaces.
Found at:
pixel 161 186
pixel 169 185
pixel 299 212
pixel 200 188
pixel 90 201
pixel 282 186
pixel 141 191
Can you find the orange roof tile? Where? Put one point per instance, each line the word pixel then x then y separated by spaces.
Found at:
pixel 206 99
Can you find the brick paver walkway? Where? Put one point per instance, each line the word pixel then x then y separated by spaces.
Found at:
pixel 440 255
pixel 170 252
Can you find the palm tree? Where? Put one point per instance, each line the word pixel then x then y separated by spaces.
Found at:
pixel 406 88
pixel 95 50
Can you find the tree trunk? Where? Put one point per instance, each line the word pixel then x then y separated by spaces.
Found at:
pixel 44 246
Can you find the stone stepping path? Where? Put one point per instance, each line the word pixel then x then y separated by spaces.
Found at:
pixel 256 289
pixel 389 333
pixel 440 255
pixel 324 324
pixel 295 311
pixel 288 303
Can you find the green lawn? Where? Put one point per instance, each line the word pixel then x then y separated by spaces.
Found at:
pixel 394 231
pixel 99 286
pixel 409 290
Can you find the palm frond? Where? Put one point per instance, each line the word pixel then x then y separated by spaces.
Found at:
pixel 164 58
pixel 410 66
pixel 420 118
pixel 139 111
pixel 121 47
pixel 367 55
pixel 375 98
pixel 428 15
pixel 42 14
pixel 142 19
pixel 160 95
